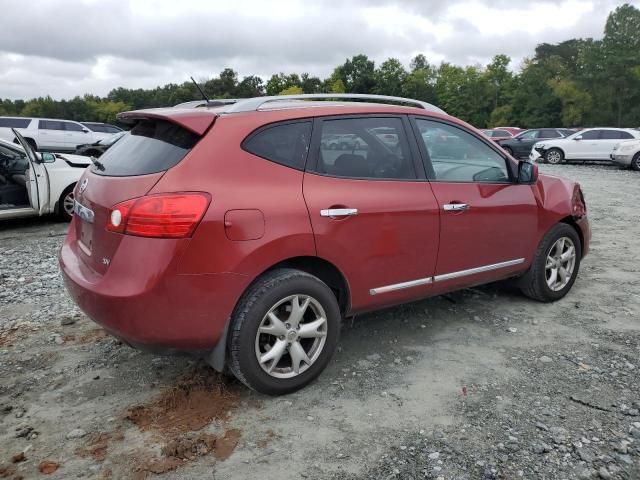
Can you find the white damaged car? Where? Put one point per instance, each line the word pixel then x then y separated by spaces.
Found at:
pixel 33 184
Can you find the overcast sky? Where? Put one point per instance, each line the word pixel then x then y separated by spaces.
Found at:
pixel 65 48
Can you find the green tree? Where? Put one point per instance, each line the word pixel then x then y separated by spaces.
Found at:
pixel 390 77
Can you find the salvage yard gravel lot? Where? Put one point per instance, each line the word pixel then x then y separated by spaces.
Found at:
pixel 481 383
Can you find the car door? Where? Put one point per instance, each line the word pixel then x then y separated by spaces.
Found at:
pixel 51 135
pixel 37 178
pixel 607 142
pixel 584 146
pixel 488 223
pixel 522 143
pixel 76 134
pixel 372 212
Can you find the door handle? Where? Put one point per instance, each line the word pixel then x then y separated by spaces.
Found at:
pixel 455 207
pixel 339 212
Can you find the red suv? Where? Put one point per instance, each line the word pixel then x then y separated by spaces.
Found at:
pixel 237 233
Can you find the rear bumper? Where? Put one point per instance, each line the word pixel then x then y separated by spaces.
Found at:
pixel 622 160
pixel 141 300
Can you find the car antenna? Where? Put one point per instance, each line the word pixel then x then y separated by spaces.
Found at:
pixel 200 90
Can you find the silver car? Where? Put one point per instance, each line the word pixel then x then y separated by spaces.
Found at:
pixel 627 154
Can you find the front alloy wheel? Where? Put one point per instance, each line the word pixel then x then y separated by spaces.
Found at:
pixel 553 156
pixel 561 260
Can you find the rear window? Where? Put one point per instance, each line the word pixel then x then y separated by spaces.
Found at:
pixel 151 146
pixel 285 143
pixel 14 122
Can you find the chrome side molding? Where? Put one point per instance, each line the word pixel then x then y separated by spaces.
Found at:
pixel 446 276
pixel 473 271
pixel 401 286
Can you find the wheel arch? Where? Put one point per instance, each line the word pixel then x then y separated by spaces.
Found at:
pixel 569 220
pixel 313 265
pixel 56 208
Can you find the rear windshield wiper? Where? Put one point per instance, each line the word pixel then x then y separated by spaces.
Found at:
pixel 97 163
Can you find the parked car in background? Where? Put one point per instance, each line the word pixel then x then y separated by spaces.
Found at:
pixel 627 154
pixel 96 149
pixel 252 236
pixel 33 184
pixel 520 145
pixel 511 130
pixel 587 144
pixel 102 127
pixel 497 135
pixel 49 134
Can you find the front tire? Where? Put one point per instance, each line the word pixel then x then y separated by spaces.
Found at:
pixel 65 204
pixel 554 156
pixel 509 151
pixel 555 266
pixel 284 331
pixel 635 163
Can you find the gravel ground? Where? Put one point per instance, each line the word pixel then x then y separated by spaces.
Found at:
pixel 482 383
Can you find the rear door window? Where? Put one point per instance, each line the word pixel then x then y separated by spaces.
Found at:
pixel 590 135
pixel 549 133
pixel 151 146
pixel 367 147
pixel 51 125
pixel 284 143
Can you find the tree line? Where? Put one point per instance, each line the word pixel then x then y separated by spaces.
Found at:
pixel 575 83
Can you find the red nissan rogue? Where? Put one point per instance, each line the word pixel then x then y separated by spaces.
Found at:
pixel 239 233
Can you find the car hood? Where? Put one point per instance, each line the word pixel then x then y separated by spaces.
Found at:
pixel 626 143
pixel 554 142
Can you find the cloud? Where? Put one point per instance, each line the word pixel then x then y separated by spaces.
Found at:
pixel 68 48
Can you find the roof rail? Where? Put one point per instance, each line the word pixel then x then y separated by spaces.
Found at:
pixel 214 102
pixel 253 104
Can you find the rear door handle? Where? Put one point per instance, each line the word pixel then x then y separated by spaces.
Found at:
pixel 455 207
pixel 339 212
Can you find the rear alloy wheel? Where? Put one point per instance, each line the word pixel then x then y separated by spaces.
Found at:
pixel 635 163
pixel 555 265
pixel 283 332
pixel 554 156
pixel 65 204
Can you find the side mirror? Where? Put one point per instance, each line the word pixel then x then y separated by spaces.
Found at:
pixel 579 137
pixel 47 158
pixel 527 172
pixel 85 130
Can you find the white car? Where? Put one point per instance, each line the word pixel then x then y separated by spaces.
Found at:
pixel 49 134
pixel 588 144
pixel 627 154
pixel 33 184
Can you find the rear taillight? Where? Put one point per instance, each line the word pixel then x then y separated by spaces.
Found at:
pixel 578 205
pixel 174 215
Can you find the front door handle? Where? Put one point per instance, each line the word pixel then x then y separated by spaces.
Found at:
pixel 339 212
pixel 455 207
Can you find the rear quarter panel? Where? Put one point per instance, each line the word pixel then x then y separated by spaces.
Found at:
pixel 238 180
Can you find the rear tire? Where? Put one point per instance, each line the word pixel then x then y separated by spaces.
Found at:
pixel 65 204
pixel 264 321
pixel 554 156
pixel 553 254
pixel 635 163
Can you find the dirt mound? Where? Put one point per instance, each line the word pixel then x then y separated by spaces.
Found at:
pixel 190 405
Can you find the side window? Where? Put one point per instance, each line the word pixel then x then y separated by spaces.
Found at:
pixel 626 135
pixel 286 144
pixel 530 135
pixel 501 133
pixel 50 125
pixel 367 147
pixel 549 133
pixel 590 135
pixel 458 156
pixel 72 127
pixel 14 122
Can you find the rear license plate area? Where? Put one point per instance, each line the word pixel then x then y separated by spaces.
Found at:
pixel 86 216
